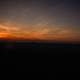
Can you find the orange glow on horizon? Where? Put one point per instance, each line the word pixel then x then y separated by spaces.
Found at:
pixel 4 35
pixel 41 33
pixel 34 36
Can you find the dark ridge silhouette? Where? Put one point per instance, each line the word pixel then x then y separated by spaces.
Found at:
pixel 35 55
pixel 23 48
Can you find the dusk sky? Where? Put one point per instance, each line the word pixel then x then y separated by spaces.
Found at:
pixel 40 19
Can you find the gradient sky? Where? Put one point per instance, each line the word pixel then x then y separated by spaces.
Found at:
pixel 40 19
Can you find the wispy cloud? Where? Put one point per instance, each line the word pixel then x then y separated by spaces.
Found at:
pixel 43 32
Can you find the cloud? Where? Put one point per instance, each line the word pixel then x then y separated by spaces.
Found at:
pixel 8 28
pixel 43 32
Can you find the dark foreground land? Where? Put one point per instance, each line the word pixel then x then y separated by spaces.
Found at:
pixel 36 56
pixel 23 48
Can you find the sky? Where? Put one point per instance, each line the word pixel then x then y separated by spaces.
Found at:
pixel 57 20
